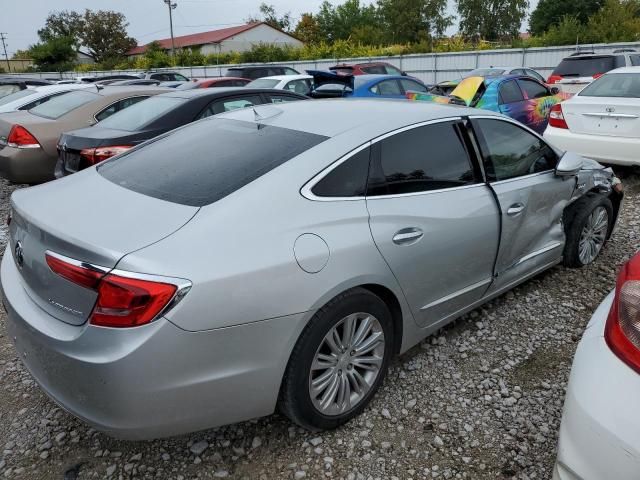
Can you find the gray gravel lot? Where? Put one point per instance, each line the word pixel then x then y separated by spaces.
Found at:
pixel 481 400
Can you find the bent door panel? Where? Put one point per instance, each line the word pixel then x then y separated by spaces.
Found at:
pixel 434 224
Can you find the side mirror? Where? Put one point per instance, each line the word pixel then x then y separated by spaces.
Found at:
pixel 404 74
pixel 555 90
pixel 569 165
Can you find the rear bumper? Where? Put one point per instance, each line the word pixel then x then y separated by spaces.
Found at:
pixel 26 165
pixel 600 424
pixel 152 381
pixel 604 149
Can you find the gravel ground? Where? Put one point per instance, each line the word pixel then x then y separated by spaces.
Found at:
pixel 480 400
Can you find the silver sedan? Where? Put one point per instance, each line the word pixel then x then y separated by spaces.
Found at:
pixel 278 256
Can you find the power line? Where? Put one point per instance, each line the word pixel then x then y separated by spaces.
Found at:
pixel 4 46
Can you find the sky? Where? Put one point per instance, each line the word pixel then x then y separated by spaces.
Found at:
pixel 148 19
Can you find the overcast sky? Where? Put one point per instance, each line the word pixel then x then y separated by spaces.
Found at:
pixel 148 19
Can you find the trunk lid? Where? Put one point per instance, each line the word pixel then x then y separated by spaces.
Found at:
pixel 89 219
pixel 616 117
pixel 45 130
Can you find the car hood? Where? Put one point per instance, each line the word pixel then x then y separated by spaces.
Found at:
pixel 102 137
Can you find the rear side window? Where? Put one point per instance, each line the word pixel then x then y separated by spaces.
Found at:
pixel 349 179
pixel 533 89
pixel 584 66
pixel 510 92
pixel 392 70
pixel 140 115
pixel 421 159
pixel 410 85
pixel 59 106
pixel 205 161
pixel 388 87
pixel 375 70
pixel 625 85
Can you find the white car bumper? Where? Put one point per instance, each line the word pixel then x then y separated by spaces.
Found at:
pixel 600 431
pixel 603 148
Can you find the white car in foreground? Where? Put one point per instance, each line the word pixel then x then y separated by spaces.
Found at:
pixel 301 84
pixel 602 121
pixel 600 431
pixel 32 97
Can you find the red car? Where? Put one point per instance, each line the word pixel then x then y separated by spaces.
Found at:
pixel 215 82
pixel 373 68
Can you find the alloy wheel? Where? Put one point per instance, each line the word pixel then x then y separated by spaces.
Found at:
pixel 593 235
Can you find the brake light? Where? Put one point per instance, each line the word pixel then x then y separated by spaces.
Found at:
pixel 553 79
pixel 20 137
pixel 622 331
pixel 100 154
pixel 597 75
pixel 556 117
pixel 123 301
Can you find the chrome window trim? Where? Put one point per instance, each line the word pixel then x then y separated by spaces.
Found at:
pixel 306 192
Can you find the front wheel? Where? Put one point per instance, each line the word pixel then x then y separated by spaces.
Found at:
pixel 338 362
pixel 588 223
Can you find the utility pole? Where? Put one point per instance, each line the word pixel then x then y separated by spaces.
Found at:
pixel 4 46
pixel 171 6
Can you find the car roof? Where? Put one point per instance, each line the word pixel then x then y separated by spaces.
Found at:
pixel 332 117
pixel 286 77
pixel 258 66
pixel 625 70
pixel 63 87
pixel 120 90
pixel 213 92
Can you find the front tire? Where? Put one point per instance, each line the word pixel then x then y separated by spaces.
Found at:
pixel 339 361
pixel 588 223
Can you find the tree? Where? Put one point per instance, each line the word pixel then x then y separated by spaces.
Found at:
pixel 617 21
pixel 491 19
pixel 308 29
pixel 105 35
pixel 269 16
pixel 551 12
pixel 338 23
pixel 66 24
pixel 21 54
pixel 568 31
pixel 413 21
pixel 54 55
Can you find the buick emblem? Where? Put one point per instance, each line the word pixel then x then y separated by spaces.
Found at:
pixel 610 109
pixel 19 253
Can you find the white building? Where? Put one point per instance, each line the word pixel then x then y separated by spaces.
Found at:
pixel 234 39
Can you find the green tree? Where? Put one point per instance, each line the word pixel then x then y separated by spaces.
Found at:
pixel 269 15
pixel 568 31
pixel 491 19
pixel 339 22
pixel 413 21
pixel 308 29
pixel 20 54
pixel 105 35
pixel 617 21
pixel 54 55
pixel 65 23
pixel 551 12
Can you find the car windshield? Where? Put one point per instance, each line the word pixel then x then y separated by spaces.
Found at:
pixel 584 66
pixel 141 114
pixel 614 85
pixel 263 83
pixel 223 156
pixel 63 104
pixel 16 96
pixel 485 72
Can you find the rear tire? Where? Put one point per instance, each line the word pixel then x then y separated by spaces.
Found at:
pixel 339 361
pixel 588 223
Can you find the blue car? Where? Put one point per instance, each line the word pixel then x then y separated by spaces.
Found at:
pixel 328 84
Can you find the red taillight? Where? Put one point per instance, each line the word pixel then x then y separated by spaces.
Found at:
pixel 20 137
pixel 556 117
pixel 554 79
pixel 122 301
pixel 597 75
pixel 100 154
pixel 622 331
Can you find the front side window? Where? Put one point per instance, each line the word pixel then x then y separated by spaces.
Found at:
pixel 625 85
pixel 392 70
pixel 388 87
pixel 533 89
pixel 510 151
pixel 223 156
pixel 425 158
pixel 59 106
pixel 510 93
pixel 534 74
pixel 349 179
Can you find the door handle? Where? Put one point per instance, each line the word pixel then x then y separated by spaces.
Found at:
pixel 515 209
pixel 407 236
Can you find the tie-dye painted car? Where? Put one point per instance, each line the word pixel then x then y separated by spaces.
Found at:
pixel 519 97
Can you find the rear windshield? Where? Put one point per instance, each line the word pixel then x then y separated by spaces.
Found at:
pixel 140 114
pixel 614 85
pixel 234 72
pixel 584 66
pixel 342 70
pixel 59 106
pixel 16 95
pixel 8 89
pixel 205 161
pixel 263 83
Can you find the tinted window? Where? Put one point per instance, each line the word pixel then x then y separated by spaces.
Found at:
pixel 349 179
pixel 614 85
pixel 118 106
pixel 534 74
pixel 584 66
pixel 424 158
pixel 533 89
pixel 223 155
pixel 510 92
pixel 635 60
pixel 392 70
pixel 412 85
pixel 388 87
pixel 375 70
pixel 263 83
pixel 301 86
pixel 59 106
pixel 510 151
pixel 275 98
pixel 290 71
pixel 228 104
pixel 140 115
